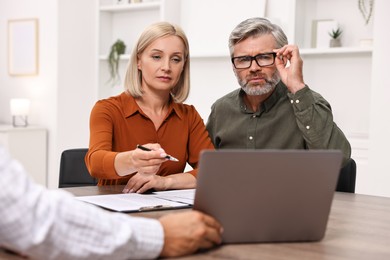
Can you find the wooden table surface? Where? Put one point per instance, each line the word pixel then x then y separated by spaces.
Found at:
pixel 358 228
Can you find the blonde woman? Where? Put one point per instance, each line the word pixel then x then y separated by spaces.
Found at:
pixel 150 113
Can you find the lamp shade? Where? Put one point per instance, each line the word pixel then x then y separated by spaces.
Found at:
pixel 20 106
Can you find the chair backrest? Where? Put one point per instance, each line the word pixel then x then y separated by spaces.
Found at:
pixel 73 171
pixel 347 177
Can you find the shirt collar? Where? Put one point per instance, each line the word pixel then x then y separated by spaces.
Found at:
pixel 130 107
pixel 279 92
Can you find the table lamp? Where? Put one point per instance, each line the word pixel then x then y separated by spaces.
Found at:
pixel 20 108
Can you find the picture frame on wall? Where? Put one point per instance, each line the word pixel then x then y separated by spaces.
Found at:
pixel 23 47
pixel 320 32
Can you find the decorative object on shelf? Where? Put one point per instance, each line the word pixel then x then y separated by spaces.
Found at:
pixel 365 43
pixel 20 108
pixel 117 49
pixel 366 7
pixel 335 40
pixel 320 31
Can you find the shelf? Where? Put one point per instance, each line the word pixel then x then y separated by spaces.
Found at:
pixel 206 55
pixel 130 7
pixel 340 50
pixel 303 52
pixel 195 56
pixel 122 57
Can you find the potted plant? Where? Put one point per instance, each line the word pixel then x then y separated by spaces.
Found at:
pixel 335 37
pixel 117 49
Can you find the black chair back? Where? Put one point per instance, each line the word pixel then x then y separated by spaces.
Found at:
pixel 347 177
pixel 73 171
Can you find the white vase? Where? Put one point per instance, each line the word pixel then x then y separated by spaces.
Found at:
pixel 335 43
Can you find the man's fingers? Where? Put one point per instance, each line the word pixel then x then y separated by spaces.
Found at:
pixel 213 232
pixel 213 237
pixel 206 244
pixel 211 222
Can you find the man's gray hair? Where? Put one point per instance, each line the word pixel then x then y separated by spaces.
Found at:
pixel 256 27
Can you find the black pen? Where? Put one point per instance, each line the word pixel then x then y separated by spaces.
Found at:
pixel 159 207
pixel 169 157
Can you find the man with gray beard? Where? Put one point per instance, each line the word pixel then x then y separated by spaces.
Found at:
pixel 274 108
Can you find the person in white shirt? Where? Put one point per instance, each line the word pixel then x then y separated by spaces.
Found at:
pixel 51 224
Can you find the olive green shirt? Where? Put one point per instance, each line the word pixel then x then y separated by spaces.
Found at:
pixel 302 120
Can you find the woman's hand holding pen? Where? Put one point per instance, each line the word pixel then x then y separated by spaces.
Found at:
pixel 146 161
pixel 138 160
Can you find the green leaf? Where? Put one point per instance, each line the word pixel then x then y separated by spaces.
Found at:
pixel 335 33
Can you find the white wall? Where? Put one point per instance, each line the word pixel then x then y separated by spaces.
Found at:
pixel 77 75
pixel 65 88
pixel 41 89
pixel 378 180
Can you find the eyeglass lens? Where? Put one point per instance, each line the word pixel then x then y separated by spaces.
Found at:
pixel 264 59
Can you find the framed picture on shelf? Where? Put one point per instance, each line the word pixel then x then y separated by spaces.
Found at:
pixel 23 47
pixel 320 32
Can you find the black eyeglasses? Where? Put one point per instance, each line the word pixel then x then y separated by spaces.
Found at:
pixel 262 59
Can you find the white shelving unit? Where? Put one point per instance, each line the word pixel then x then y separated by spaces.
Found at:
pixel 125 22
pixel 298 16
pixel 116 21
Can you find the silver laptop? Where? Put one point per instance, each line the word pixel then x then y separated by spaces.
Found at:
pixel 268 195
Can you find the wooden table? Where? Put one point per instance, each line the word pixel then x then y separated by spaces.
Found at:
pixel 358 228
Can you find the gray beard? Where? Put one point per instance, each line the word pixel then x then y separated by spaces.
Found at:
pixel 257 90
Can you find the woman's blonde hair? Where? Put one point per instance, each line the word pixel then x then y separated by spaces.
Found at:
pixel 133 78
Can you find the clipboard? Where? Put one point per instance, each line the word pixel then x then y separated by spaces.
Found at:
pixel 133 202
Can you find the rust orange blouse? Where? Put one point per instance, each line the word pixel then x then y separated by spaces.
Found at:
pixel 117 124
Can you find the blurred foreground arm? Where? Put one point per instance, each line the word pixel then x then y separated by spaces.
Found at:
pixel 44 224
pixel 51 224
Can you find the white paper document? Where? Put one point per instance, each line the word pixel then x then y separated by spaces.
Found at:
pixel 184 196
pixel 133 202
